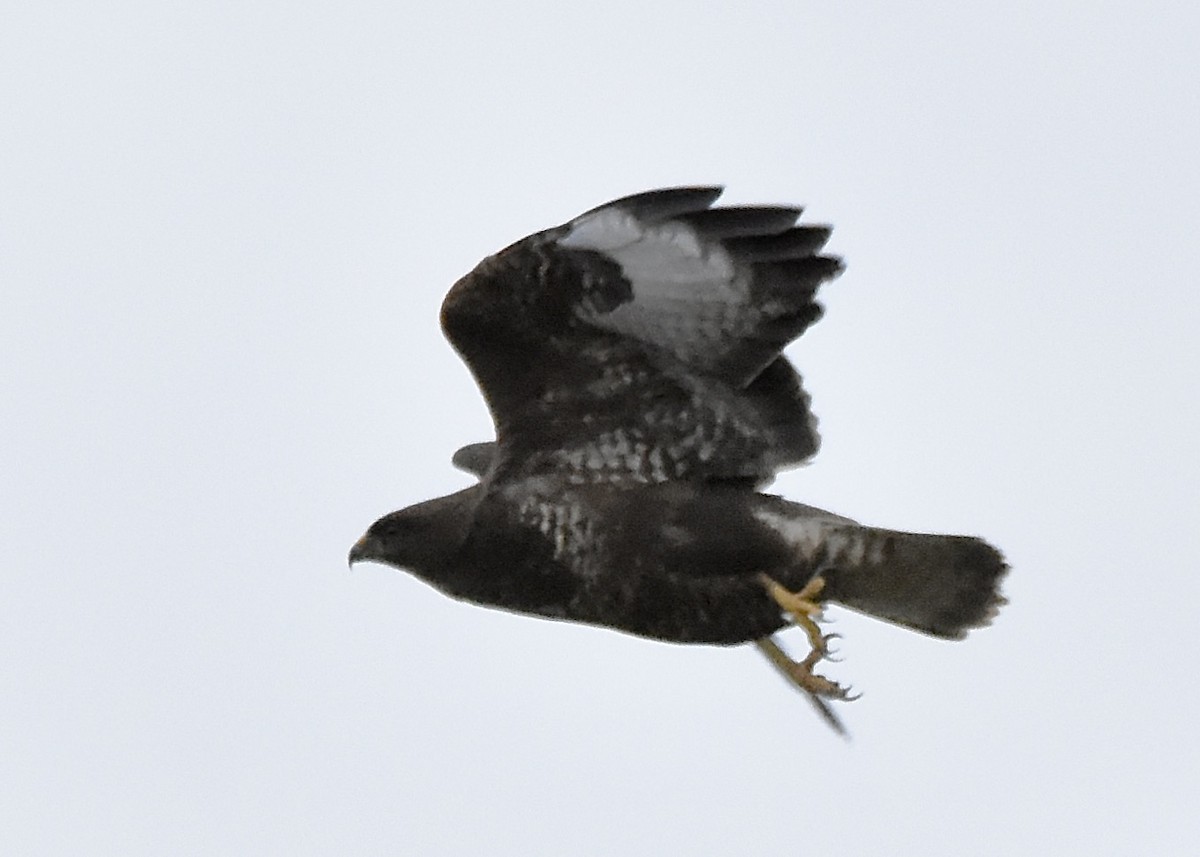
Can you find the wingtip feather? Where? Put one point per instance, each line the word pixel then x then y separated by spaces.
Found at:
pixel 655 206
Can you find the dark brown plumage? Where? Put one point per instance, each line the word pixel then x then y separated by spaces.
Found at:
pixel 631 360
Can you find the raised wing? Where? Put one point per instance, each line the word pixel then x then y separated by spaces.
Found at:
pixel 641 340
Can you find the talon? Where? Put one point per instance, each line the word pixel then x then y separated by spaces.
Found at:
pixel 804 611
pixel 830 652
pixel 817 688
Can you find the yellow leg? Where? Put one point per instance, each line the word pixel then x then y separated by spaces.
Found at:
pixel 804 610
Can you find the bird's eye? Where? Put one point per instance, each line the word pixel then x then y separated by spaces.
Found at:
pixel 386 529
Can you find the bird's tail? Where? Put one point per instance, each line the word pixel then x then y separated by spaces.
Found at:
pixel 939 585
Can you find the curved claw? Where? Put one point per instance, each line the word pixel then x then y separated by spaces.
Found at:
pixel 818 685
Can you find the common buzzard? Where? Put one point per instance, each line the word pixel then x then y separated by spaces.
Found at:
pixel 632 362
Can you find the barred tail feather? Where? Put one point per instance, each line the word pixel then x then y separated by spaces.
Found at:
pixel 940 585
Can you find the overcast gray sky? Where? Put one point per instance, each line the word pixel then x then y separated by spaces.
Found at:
pixel 225 230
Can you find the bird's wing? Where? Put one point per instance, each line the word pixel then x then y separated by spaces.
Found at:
pixel 475 458
pixel 642 340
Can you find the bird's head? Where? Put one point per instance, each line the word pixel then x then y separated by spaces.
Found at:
pixel 422 538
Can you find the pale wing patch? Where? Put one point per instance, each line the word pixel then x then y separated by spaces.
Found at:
pixel 603 230
pixel 662 261
pixel 688 295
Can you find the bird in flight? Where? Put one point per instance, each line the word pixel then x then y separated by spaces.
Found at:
pixel 632 363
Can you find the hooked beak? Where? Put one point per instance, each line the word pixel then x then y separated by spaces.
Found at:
pixel 364 549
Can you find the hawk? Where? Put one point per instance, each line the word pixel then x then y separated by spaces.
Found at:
pixel 632 363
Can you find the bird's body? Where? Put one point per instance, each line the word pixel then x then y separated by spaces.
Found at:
pixel 674 561
pixel 664 561
pixel 632 361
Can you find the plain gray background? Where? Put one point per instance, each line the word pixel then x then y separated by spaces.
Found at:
pixel 225 230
